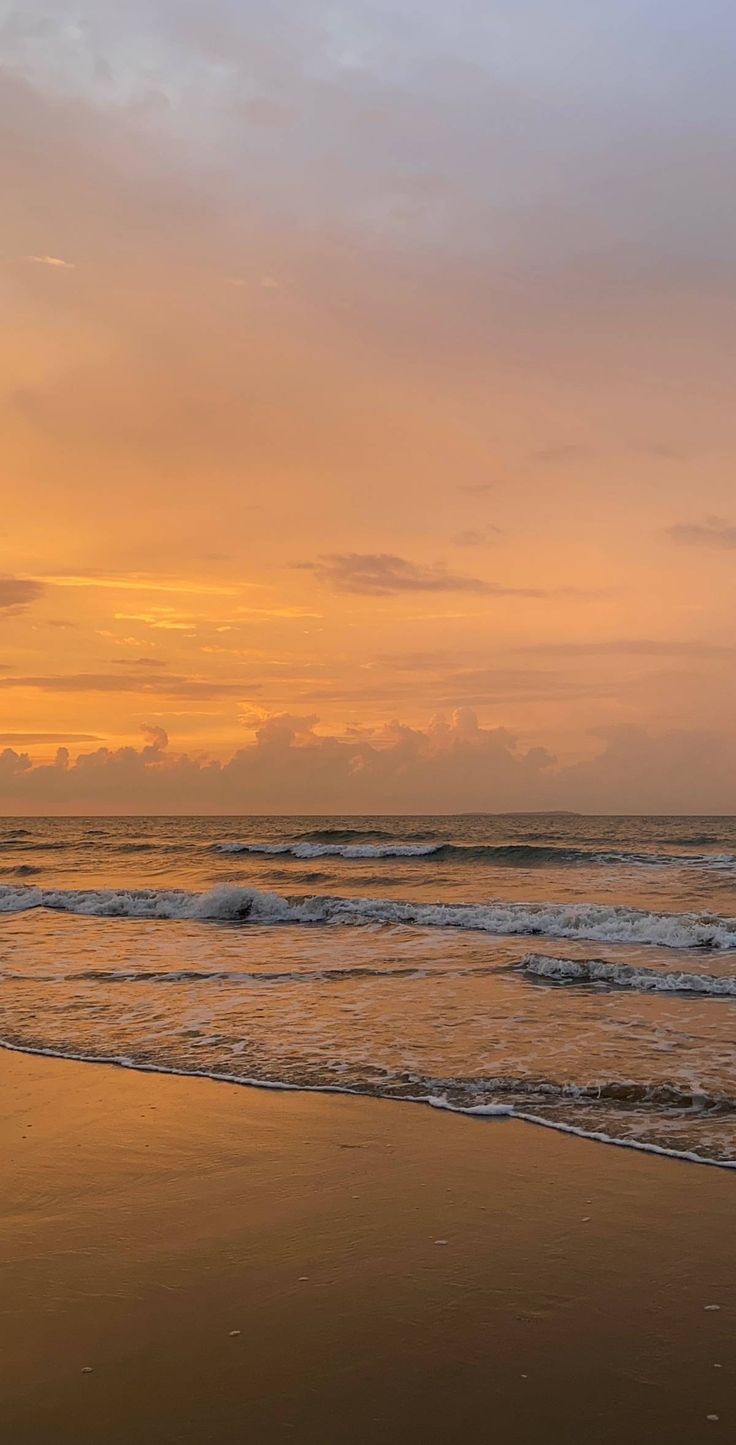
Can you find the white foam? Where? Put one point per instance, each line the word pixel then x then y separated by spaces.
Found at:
pixel 228 903
pixel 334 850
pixel 435 1101
pixel 521 855
pixel 480 1111
pixel 622 975
pixel 224 904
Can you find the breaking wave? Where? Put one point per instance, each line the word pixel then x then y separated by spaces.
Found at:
pixel 623 975
pixel 336 850
pixel 343 844
pixel 230 904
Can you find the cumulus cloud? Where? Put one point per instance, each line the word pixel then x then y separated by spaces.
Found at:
pixel 452 765
pixel 713 532
pixel 381 574
pixel 17 592
pixel 157 739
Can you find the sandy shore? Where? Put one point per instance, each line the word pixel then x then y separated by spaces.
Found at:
pixel 392 1274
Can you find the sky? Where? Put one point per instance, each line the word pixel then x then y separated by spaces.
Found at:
pixel 366 391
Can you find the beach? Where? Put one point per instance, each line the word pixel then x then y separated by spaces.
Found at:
pixel 368 724
pixel 188 1261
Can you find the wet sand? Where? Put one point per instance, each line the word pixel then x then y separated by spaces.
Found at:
pixel 392 1273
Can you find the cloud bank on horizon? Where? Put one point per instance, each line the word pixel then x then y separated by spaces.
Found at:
pixel 454 765
pixel 368 360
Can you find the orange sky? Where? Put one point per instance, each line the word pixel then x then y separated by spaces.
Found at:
pixel 363 362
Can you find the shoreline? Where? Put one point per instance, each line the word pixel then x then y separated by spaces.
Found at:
pixel 440 1103
pixel 238 1265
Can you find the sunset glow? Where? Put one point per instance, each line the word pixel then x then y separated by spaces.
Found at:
pixel 367 389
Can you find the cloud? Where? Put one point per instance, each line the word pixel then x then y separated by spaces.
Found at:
pixel 474 687
pixel 565 452
pixel 713 532
pixel 489 685
pixel 451 765
pixel 287 729
pixel 144 582
pixel 433 661
pixel 480 537
pixel 420 349
pixel 17 592
pixel 157 737
pixel 28 739
pixel 51 261
pixel 153 662
pixel 383 574
pixel 265 111
pixel 632 647
pixel 131 682
pixel 679 770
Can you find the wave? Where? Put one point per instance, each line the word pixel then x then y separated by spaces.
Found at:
pixel 230 904
pixel 510 855
pixel 624 1093
pixel 342 835
pixel 335 850
pixel 86 845
pixel 539 1093
pixel 623 975
pixel 240 976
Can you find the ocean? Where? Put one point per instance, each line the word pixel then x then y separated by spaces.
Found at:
pixel 575 972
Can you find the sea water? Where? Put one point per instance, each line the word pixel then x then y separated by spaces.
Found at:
pixel 576 972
